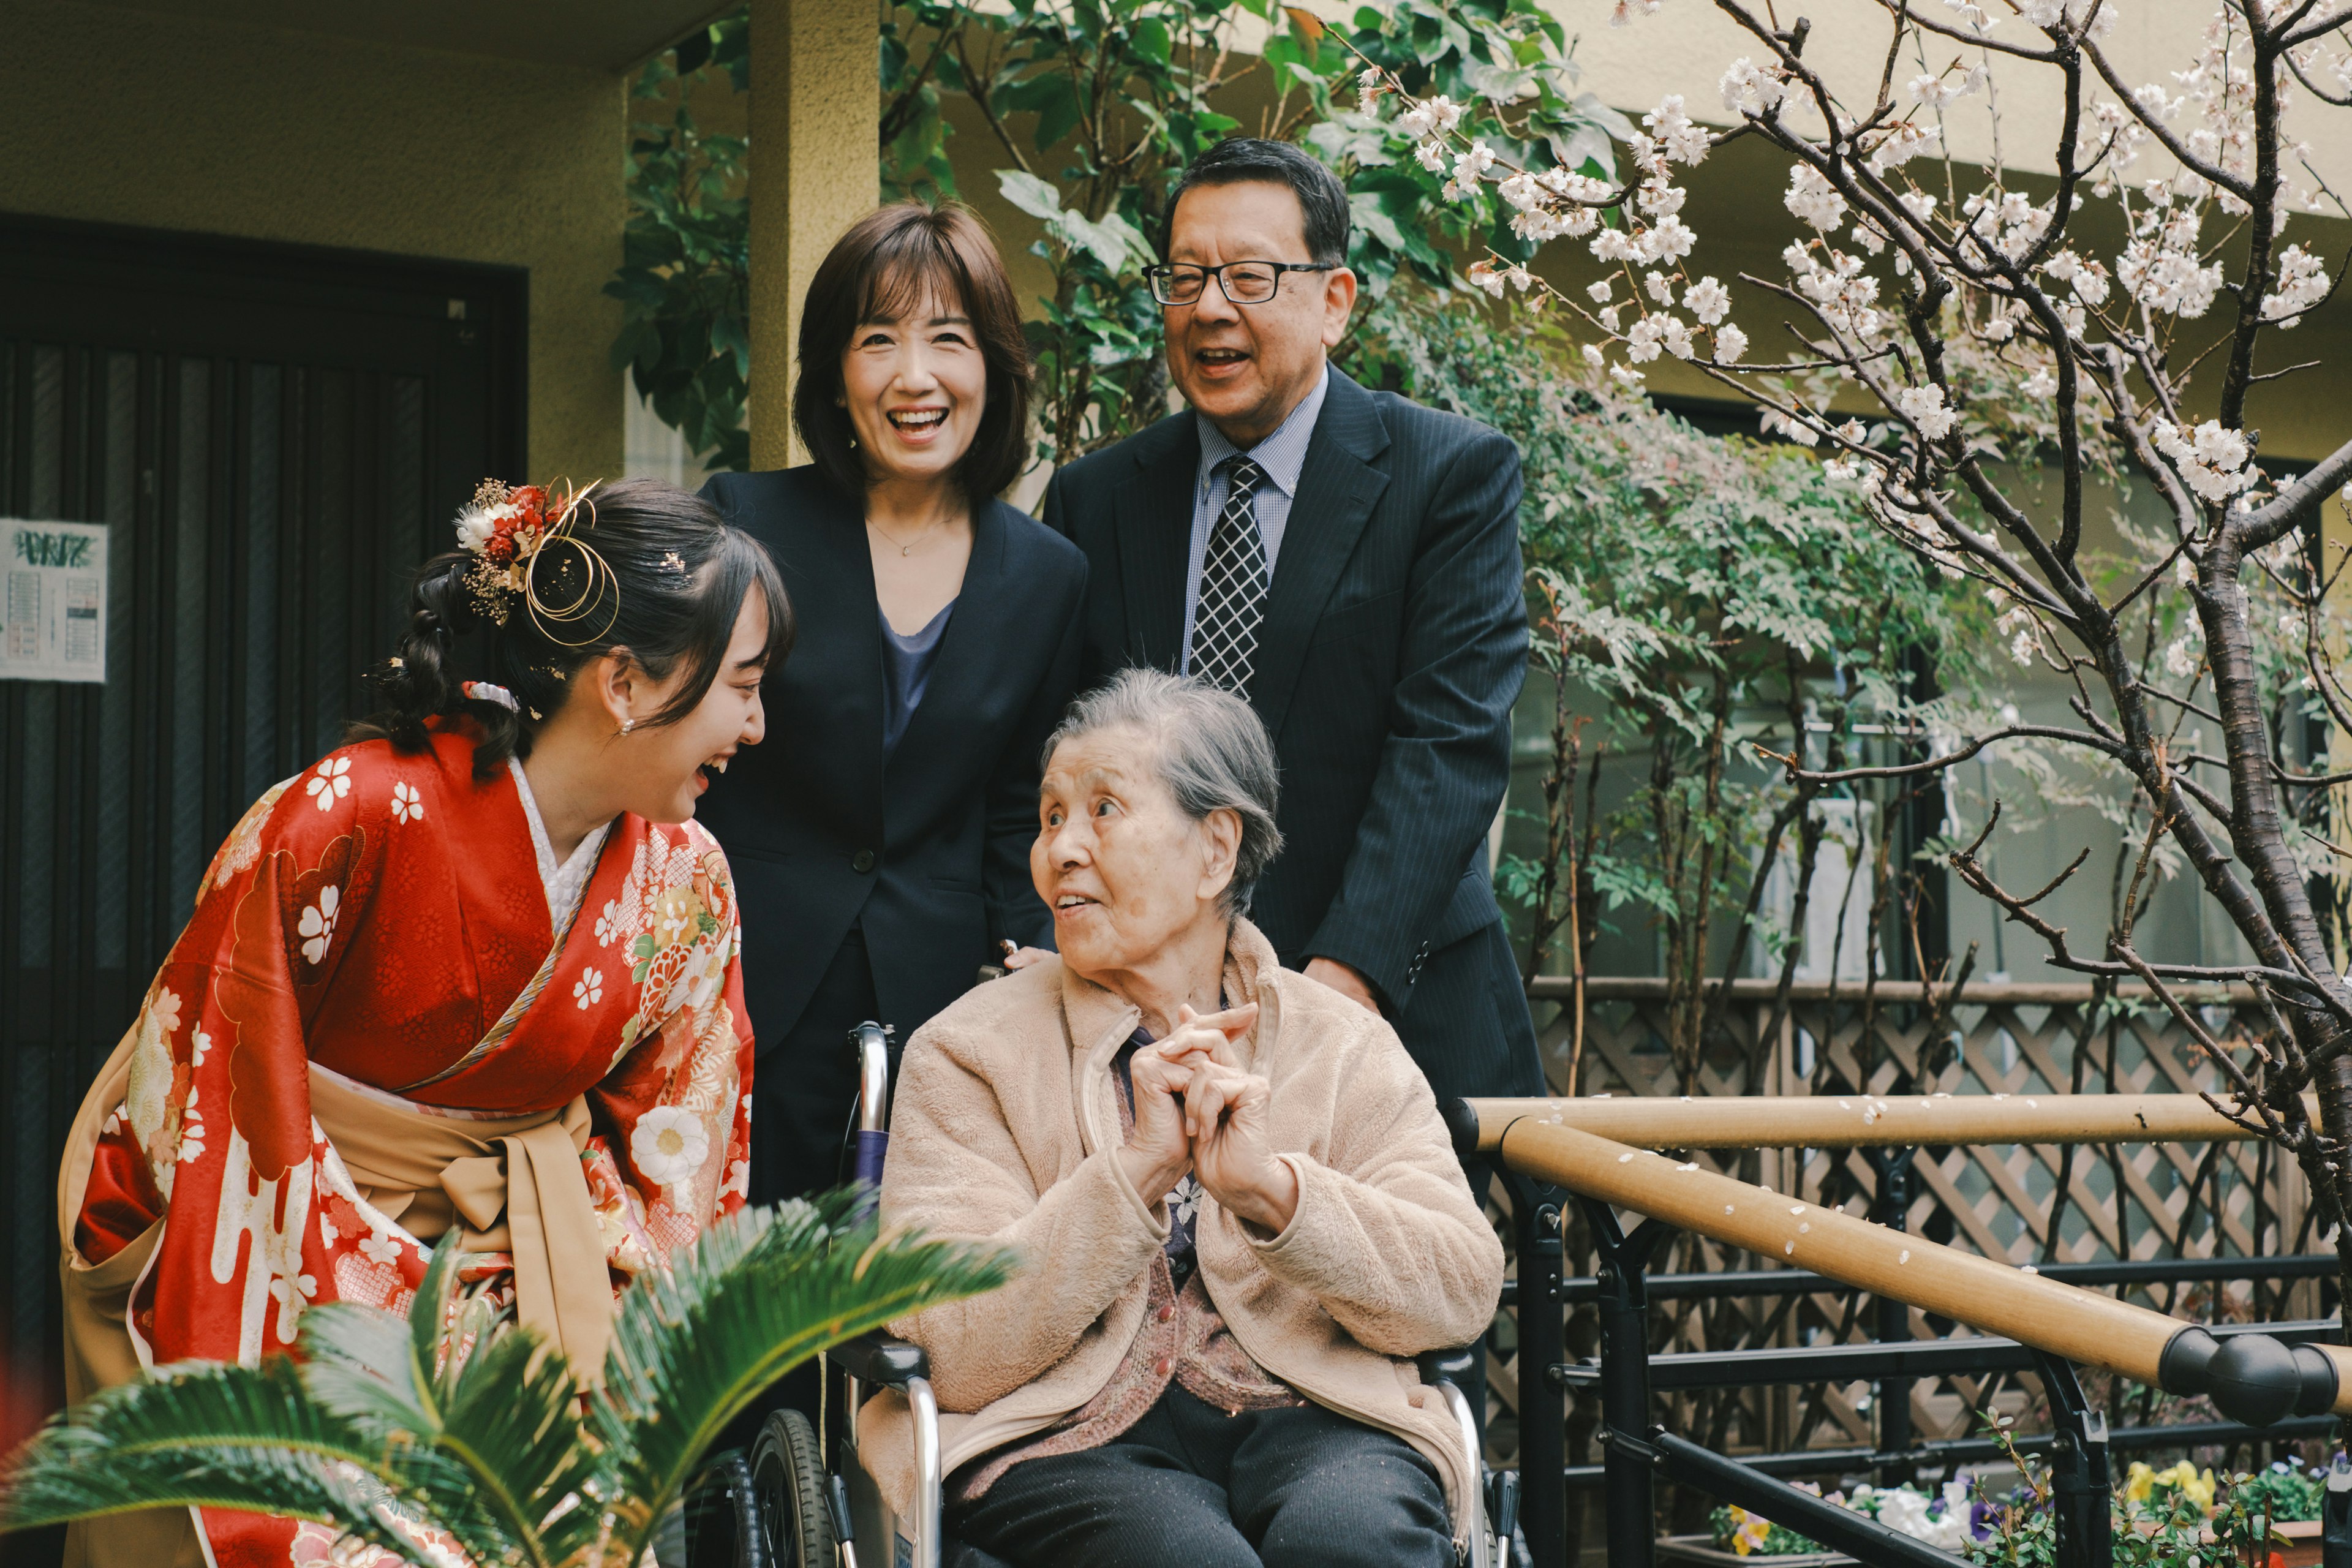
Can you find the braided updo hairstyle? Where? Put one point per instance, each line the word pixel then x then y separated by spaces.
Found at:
pixel 663 578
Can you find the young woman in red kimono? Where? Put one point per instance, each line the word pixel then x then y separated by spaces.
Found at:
pixel 471 979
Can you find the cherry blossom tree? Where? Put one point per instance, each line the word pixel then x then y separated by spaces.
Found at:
pixel 1984 372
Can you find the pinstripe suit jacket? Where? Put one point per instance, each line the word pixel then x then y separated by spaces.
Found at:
pixel 1394 644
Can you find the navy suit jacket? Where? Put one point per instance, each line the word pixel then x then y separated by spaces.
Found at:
pixel 1395 643
pixel 927 851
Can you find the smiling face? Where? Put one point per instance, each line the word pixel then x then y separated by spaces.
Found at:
pixel 663 770
pixel 914 388
pixel 1126 874
pixel 1246 366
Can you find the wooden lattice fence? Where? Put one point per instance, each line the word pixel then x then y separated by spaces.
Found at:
pixel 2028 1039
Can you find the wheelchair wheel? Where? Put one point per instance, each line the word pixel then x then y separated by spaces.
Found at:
pixel 788 1491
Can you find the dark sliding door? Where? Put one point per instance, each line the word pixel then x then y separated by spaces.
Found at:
pixel 275 437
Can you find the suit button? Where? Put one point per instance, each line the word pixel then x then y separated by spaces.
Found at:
pixel 1162 1367
pixel 863 861
pixel 1166 1313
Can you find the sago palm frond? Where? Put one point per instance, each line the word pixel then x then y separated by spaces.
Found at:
pixel 209 1435
pixel 375 1426
pixel 756 1296
pixel 500 1415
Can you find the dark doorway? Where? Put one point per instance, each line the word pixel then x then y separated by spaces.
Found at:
pixel 275 437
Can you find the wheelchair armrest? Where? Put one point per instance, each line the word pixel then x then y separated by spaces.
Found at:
pixel 1447 1365
pixel 881 1361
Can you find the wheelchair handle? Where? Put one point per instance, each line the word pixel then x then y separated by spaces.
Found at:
pixel 872 1041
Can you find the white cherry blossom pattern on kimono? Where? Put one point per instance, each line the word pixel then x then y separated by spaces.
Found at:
pixel 669 1145
pixel 330 782
pixel 317 926
pixel 407 805
pixel 589 989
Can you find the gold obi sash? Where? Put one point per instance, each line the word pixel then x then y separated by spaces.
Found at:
pixel 512 1185
pixel 508 1183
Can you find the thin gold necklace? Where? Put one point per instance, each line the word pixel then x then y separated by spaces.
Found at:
pixel 908 548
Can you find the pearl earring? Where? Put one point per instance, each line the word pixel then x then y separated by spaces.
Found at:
pixel 628 725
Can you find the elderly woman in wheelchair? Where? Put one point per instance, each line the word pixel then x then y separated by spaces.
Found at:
pixel 1240 1212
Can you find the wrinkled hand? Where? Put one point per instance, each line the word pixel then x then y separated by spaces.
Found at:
pixel 1023 957
pixel 1345 981
pixel 1157 1151
pixel 1225 1113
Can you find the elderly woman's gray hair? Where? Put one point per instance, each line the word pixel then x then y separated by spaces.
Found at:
pixel 1209 747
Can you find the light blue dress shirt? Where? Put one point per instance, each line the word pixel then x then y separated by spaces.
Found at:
pixel 1282 455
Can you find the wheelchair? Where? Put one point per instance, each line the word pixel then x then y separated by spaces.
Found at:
pixel 781 1505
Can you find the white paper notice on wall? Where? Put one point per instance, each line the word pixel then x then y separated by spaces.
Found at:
pixel 52 600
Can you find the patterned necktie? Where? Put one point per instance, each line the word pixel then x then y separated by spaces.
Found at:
pixel 1232 588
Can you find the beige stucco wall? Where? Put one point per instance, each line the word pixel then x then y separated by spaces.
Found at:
pixel 127 117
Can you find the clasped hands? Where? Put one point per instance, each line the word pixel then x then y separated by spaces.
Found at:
pixel 1196 1111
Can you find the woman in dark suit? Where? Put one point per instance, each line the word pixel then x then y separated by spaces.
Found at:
pixel 881 846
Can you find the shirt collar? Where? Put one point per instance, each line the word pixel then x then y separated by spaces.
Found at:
pixel 1282 455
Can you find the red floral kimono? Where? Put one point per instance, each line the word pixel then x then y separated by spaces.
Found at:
pixel 369 1033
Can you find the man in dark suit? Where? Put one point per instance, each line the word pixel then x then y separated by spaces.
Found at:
pixel 1349 561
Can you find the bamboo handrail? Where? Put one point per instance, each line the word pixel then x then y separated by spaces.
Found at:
pixel 1864 1121
pixel 2254 1382
pixel 1888 993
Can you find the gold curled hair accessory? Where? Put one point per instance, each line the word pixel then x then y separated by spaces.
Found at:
pixel 598 584
pixel 511 531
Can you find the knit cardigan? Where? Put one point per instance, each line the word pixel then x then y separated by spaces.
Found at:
pixel 1006 1128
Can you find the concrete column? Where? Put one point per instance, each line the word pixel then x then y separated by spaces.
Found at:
pixel 815 170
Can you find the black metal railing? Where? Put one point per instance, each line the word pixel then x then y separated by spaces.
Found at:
pixel 1637 1451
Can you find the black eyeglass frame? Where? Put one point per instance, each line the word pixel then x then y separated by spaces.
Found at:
pixel 1154 276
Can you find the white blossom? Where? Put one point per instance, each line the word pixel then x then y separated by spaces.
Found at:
pixel 1473 162
pixel 1641 342
pixel 1431 155
pixel 2180 657
pixel 1812 197
pixel 1660 286
pixel 2041 387
pixel 1748 89
pixel 1670 239
pixel 1730 342
pixel 1598 291
pixel 1681 140
pixel 1630 380
pixel 2210 459
pixel 2302 284
pixel 1521 190
pixel 1924 406
pixel 1708 299
pixel 1439 114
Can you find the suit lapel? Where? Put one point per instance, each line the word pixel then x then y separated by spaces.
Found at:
pixel 1153 512
pixel 843 570
pixel 1337 490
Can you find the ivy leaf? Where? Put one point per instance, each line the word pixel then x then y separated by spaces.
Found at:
pixel 1030 194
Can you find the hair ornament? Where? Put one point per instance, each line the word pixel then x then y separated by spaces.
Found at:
pixel 483 691
pixel 526 543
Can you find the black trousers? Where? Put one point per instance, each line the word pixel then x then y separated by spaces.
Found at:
pixel 804 1093
pixel 1190 1486
pixel 804 1087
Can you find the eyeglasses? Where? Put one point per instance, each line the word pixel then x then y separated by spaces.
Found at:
pixel 1243 283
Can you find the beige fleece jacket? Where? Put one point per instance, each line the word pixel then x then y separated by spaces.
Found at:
pixel 1005 1128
